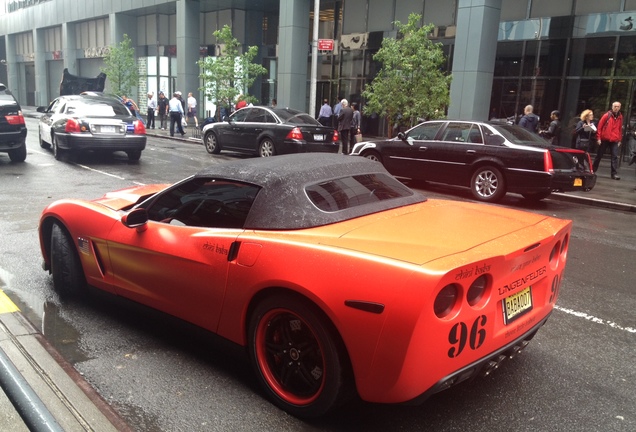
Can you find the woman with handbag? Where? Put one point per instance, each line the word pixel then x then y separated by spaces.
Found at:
pixel 355 136
pixel 585 132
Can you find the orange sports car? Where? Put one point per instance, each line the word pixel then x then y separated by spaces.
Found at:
pixel 335 277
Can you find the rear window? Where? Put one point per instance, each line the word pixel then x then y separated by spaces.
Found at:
pixel 297 118
pixel 521 136
pixel 77 108
pixel 353 191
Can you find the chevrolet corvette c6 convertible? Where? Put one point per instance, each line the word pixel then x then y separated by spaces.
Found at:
pixel 335 277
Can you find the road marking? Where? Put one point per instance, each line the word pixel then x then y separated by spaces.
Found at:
pixel 6 305
pixel 596 320
pixel 101 172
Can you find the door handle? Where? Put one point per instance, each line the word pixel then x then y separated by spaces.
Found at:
pixel 423 148
pixel 259 130
pixel 470 152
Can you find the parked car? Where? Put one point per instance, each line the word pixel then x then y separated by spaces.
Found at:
pixel 90 122
pixel 334 276
pixel 269 131
pixel 491 158
pixel 13 129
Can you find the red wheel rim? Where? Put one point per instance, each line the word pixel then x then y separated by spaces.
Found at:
pixel 290 357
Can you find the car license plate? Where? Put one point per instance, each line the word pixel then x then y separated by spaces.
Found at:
pixel 108 129
pixel 516 305
pixel 319 137
pixel 578 182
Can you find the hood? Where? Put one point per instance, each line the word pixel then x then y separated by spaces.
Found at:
pixel 126 198
pixel 437 229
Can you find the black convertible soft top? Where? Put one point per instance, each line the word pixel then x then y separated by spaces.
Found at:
pixel 282 202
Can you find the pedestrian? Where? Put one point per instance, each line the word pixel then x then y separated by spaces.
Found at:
pixel 183 102
pixel 274 103
pixel 176 113
pixel 585 132
pixel 344 124
pixel 152 107
pixel 192 109
pixel 355 124
pixel 162 110
pixel 132 106
pixel 610 135
pixel 241 102
pixel 530 120
pixel 553 133
pixel 336 112
pixel 324 116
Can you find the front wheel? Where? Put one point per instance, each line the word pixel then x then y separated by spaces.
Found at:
pixel 211 143
pixel 487 184
pixel 266 148
pixel 66 268
pixel 372 155
pixel 296 357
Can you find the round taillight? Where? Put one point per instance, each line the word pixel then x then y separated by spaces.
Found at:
pixel 554 255
pixel 446 300
pixel 477 290
pixel 564 247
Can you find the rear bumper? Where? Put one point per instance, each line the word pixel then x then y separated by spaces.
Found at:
pixel 297 146
pixel 571 182
pixel 92 142
pixel 12 140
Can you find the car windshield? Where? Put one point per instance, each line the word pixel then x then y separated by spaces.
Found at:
pixel 353 191
pixel 519 135
pixel 296 117
pixel 96 109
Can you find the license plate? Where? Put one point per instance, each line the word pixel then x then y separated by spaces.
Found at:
pixel 516 305
pixel 108 129
pixel 578 182
pixel 319 137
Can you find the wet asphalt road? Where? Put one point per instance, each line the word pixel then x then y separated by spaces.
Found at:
pixel 162 374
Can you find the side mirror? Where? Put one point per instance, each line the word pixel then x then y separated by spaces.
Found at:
pixel 227 119
pixel 41 109
pixel 137 218
pixel 402 136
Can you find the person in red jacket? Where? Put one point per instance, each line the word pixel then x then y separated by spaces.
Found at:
pixel 610 134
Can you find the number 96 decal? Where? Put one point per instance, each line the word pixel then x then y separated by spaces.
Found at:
pixel 459 336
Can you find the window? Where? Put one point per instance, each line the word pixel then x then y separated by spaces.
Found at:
pixel 348 192
pixel 456 132
pixel 258 115
pixel 204 202
pixel 240 115
pixel 425 131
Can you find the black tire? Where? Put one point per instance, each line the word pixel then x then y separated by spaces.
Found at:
pixel 134 155
pixel 266 148
pixel 373 155
pixel 487 184
pixel 19 154
pixel 302 370
pixel 57 151
pixel 66 268
pixel 536 196
pixel 43 143
pixel 211 143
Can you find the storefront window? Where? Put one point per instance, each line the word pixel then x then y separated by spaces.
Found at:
pixel 626 57
pixel 592 56
pixel 508 61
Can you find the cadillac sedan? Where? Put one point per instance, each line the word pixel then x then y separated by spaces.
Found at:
pixel 490 158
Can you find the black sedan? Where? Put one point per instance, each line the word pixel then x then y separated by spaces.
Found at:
pixel 90 122
pixel 268 131
pixel 490 158
pixel 13 129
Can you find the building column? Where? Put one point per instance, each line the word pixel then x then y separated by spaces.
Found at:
pixel 41 81
pixel 13 81
pixel 187 46
pixel 474 59
pixel 69 47
pixel 293 49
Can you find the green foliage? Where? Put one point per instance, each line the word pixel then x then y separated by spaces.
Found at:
pixel 120 67
pixel 411 81
pixel 230 74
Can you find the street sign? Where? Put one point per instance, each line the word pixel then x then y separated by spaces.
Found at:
pixel 325 44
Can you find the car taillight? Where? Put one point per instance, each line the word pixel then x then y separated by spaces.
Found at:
pixel 72 126
pixel 336 136
pixel 139 127
pixel 477 291
pixel 15 119
pixel 446 300
pixel 295 133
pixel 547 162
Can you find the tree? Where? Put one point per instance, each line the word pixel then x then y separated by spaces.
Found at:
pixel 120 67
pixel 410 82
pixel 230 74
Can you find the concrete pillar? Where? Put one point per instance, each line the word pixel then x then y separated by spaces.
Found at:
pixel 187 46
pixel 41 81
pixel 13 70
pixel 293 49
pixel 121 25
pixel 69 47
pixel 254 37
pixel 474 59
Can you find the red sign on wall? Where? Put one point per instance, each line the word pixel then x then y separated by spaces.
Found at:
pixel 325 44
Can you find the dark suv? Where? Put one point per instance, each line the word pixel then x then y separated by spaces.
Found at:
pixel 13 130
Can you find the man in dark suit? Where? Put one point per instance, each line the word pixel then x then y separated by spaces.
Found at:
pixel 344 125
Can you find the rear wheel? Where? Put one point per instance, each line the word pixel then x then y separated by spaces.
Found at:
pixel 266 148
pixel 487 184
pixel 373 155
pixel 66 268
pixel 211 143
pixel 134 155
pixel 57 151
pixel 19 154
pixel 43 144
pixel 296 357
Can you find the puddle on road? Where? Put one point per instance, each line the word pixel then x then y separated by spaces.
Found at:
pixel 45 316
